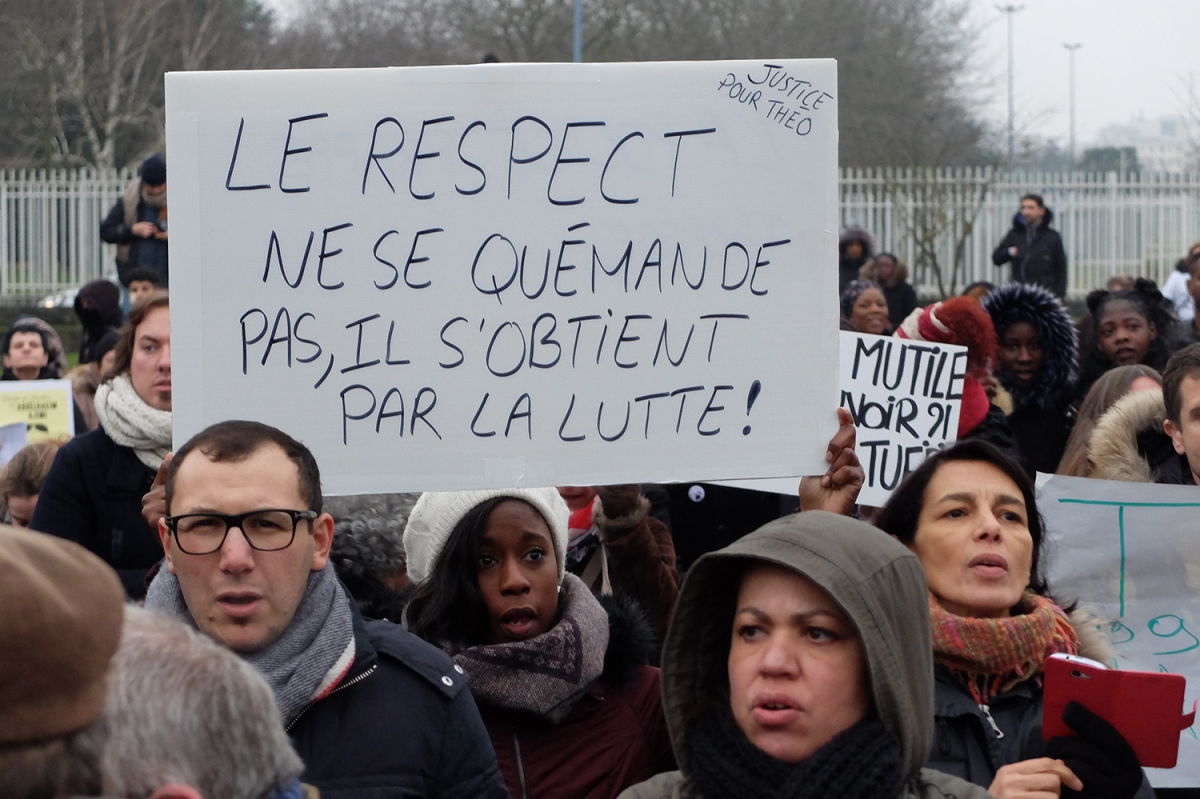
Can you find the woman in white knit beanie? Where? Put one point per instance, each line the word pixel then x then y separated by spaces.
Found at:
pixel 560 679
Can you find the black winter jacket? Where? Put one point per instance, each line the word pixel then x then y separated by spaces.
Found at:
pixel 1040 256
pixel 93 496
pixel 973 743
pixel 401 725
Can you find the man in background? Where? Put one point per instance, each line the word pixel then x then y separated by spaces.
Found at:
pixel 137 224
pixel 1034 250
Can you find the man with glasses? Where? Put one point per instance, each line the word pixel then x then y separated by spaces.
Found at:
pixel 369 706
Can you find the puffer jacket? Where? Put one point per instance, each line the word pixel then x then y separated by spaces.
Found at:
pixel 1129 444
pixel 1039 416
pixel 881 587
pixel 1040 256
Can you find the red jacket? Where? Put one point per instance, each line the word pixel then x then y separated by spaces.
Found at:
pixel 615 737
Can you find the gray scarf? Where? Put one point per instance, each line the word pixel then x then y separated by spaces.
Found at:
pixel 545 675
pixel 314 653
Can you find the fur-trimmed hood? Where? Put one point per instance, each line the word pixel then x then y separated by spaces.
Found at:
pixel 856 233
pixel 1094 641
pixel 1113 450
pixel 1020 302
pixel 870 271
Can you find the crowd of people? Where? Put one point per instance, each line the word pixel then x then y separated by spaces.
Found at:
pixel 206 623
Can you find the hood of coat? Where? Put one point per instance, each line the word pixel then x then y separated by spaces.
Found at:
pixel 1113 450
pixel 870 271
pixel 876 580
pixel 1018 302
pixel 855 233
pixel 1019 221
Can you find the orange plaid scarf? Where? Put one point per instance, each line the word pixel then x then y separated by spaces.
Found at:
pixel 991 656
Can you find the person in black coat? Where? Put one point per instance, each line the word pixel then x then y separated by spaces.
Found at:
pixel 1034 250
pixel 855 248
pixel 137 223
pixel 93 493
pixel 1035 366
pixel 892 275
pixel 98 306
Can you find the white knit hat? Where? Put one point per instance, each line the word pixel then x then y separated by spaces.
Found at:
pixel 437 513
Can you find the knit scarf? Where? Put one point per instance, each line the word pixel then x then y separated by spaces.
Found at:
pixel 862 762
pixel 130 422
pixel 547 674
pixel 991 656
pixel 312 655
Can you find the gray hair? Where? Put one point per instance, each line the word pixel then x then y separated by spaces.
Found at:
pixel 368 535
pixel 181 708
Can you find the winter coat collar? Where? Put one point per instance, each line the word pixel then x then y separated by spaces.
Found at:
pixel 1113 450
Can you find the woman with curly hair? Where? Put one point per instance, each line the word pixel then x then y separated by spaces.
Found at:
pixel 1131 327
pixel 1034 367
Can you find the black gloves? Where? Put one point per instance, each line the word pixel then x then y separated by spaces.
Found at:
pixel 1099 756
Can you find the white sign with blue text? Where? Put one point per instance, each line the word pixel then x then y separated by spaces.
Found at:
pixel 511 274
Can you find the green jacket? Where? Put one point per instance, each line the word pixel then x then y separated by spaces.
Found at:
pixel 879 584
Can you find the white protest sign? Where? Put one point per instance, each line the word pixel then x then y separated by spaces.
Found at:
pixel 904 397
pixel 516 274
pixel 1131 552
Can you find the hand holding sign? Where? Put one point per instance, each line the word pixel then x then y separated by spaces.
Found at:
pixel 837 490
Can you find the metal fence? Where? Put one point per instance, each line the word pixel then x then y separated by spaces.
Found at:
pixel 946 219
pixel 1137 224
pixel 49 229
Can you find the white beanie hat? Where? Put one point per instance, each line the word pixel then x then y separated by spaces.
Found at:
pixel 437 513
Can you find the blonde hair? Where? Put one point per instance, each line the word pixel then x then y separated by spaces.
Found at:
pixel 24 474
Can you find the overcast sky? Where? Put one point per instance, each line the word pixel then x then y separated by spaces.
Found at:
pixel 1136 59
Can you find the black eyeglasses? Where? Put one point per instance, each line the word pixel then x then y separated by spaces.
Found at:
pixel 267 530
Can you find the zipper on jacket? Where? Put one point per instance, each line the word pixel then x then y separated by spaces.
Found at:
pixel 987 712
pixel 520 765
pixel 341 687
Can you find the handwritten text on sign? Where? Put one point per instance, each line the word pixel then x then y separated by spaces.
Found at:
pixel 904 397
pixel 455 277
pixel 1130 552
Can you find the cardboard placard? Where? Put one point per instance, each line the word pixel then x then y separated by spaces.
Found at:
pixel 517 274
pixel 1130 553
pixel 905 398
pixel 47 407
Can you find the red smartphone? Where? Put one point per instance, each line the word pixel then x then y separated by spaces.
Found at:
pixel 1144 706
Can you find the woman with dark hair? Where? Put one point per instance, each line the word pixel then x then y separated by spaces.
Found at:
pixel 855 248
pixel 864 308
pixel 969 514
pixel 93 493
pixel 1131 327
pixel 561 680
pixel 892 275
pixel 1035 365
pixel 798 665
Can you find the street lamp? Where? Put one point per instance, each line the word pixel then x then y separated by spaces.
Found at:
pixel 578 49
pixel 1010 10
pixel 1071 48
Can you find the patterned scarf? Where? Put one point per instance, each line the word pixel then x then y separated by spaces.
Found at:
pixel 991 656
pixel 545 675
pixel 311 657
pixel 130 422
pixel 861 762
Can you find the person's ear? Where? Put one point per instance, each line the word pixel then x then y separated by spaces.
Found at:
pixel 322 534
pixel 7 363
pixel 1153 331
pixel 164 537
pixel 176 790
pixel 1176 435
